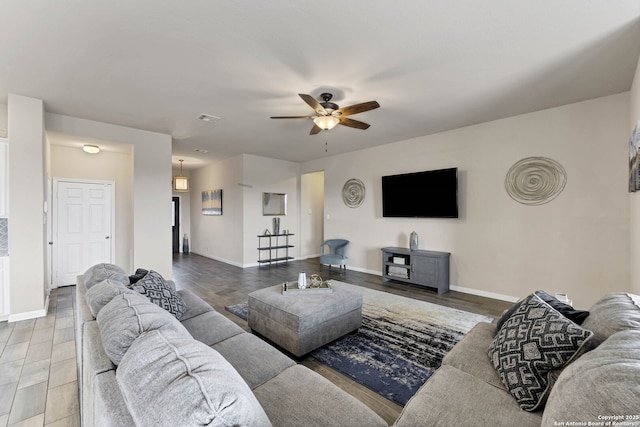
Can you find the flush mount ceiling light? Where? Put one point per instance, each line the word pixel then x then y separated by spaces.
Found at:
pixel 181 183
pixel 91 149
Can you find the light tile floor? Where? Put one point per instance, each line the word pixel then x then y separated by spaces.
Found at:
pixel 38 373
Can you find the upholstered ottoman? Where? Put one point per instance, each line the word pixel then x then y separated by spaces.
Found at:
pixel 302 323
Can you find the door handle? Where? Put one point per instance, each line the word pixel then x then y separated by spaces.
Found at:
pixel 107 237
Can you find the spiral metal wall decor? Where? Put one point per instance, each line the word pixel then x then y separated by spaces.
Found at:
pixel 353 193
pixel 535 180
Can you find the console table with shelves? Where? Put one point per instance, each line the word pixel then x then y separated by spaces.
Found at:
pixel 273 248
pixel 419 267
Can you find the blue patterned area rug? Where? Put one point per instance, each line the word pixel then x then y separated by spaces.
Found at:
pixel 400 345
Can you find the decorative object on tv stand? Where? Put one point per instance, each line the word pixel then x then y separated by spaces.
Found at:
pixel 413 241
pixel 535 180
pixel 353 193
pixel 302 280
pixel 276 226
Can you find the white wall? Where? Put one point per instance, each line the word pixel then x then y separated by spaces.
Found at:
pixel 4 120
pixel 218 237
pixel 72 162
pixel 151 213
pixel 265 175
pixel 232 237
pixel 635 197
pixel 27 221
pixel 311 214
pixel 578 243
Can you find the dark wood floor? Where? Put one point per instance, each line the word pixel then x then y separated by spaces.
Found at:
pixel 222 284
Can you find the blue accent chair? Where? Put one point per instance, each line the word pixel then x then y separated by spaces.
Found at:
pixel 336 255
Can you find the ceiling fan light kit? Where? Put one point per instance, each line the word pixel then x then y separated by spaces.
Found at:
pixel 326 122
pixel 329 115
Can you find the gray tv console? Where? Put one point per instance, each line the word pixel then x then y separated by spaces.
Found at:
pixel 419 267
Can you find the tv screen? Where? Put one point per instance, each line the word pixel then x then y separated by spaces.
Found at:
pixel 428 194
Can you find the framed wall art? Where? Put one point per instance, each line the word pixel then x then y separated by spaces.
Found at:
pixel 212 202
pixel 634 158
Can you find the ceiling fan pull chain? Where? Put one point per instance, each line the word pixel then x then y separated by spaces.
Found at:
pixel 325 141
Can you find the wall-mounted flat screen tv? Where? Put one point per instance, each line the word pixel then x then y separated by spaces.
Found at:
pixel 427 194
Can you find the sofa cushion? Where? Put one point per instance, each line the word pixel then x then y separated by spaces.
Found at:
pixel 127 316
pixel 100 272
pixel 154 287
pixel 100 294
pixel 603 382
pixel 532 343
pixel 195 304
pixel 168 379
pixel 300 397
pixel 454 398
pixel 242 351
pixel 470 355
pixel 614 312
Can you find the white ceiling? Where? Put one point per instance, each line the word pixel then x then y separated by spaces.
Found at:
pixel 432 65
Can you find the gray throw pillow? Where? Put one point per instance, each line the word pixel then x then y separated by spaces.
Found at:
pixel 159 292
pixel 100 272
pixel 127 316
pixel 602 383
pixel 100 294
pixel 534 342
pixel 614 312
pixel 170 380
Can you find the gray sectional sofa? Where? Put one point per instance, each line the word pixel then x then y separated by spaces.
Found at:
pixel 140 365
pixel 600 384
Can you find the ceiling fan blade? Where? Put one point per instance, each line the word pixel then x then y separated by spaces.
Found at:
pixel 313 104
pixel 293 117
pixel 353 123
pixel 358 108
pixel 315 129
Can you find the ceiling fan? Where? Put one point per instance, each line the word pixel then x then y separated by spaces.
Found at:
pixel 328 114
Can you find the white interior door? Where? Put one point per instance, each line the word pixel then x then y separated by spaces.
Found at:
pixel 83 225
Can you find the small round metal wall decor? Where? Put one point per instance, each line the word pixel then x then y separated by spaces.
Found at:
pixel 353 193
pixel 535 180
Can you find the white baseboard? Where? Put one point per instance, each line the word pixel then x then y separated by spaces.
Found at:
pixel 226 261
pixel 485 294
pixel 30 314
pixel 456 288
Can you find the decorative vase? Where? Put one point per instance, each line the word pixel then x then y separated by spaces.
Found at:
pixel 276 226
pixel 302 280
pixel 185 244
pixel 413 241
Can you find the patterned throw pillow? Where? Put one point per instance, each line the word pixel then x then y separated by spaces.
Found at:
pixel 577 316
pixel 532 343
pixel 154 287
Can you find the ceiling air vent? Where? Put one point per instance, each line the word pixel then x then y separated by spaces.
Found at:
pixel 208 117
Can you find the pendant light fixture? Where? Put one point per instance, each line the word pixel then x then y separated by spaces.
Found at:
pixel 180 182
